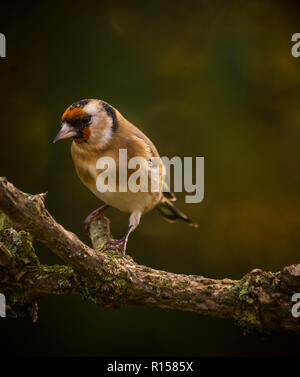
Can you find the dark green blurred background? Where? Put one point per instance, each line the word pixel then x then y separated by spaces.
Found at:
pixel 200 78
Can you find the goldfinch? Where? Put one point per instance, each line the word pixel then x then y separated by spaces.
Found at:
pixel 99 130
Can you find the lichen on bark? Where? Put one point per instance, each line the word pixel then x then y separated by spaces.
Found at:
pixel 260 301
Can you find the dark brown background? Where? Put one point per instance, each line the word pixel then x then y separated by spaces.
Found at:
pixel 200 78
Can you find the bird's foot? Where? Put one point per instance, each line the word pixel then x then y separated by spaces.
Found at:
pixel 113 244
pixel 94 216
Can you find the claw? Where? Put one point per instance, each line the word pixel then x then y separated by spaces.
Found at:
pixel 113 244
pixel 94 216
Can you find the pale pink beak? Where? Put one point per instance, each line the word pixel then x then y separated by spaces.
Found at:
pixel 66 132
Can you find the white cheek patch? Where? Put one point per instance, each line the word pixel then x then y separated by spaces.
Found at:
pixel 106 136
pixel 91 108
pixel 101 125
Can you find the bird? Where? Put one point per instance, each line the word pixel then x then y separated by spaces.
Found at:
pixel 100 130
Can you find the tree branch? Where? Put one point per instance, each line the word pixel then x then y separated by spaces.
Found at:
pixel 260 301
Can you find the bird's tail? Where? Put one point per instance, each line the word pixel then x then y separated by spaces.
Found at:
pixel 171 213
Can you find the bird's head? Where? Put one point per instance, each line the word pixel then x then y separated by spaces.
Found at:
pixel 88 121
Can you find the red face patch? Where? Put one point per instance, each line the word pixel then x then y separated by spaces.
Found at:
pixel 86 133
pixel 71 115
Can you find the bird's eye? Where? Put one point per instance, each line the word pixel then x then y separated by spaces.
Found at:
pixel 86 119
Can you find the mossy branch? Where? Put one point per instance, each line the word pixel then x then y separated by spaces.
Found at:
pixel 260 301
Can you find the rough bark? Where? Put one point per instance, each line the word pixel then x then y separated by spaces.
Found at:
pixel 260 301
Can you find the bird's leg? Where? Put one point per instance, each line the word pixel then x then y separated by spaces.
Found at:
pixel 113 244
pixel 120 244
pixel 94 216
